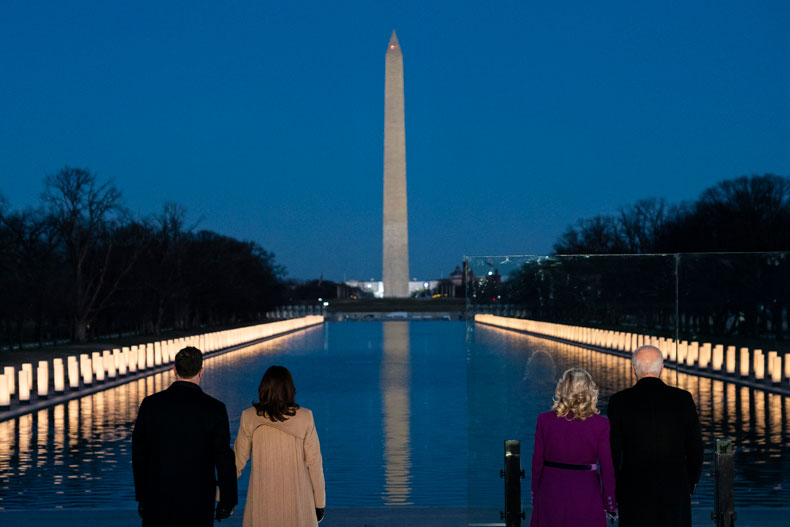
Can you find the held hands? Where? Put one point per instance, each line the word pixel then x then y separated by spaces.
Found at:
pixel 319 514
pixel 223 512
pixel 612 516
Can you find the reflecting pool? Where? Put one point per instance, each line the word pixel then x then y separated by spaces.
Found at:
pixel 410 415
pixel 388 399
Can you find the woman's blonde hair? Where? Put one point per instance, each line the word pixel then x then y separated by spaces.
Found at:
pixel 576 395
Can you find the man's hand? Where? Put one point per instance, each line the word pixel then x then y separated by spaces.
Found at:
pixel 140 509
pixel 319 514
pixel 223 512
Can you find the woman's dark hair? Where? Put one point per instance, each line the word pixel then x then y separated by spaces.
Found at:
pixel 276 394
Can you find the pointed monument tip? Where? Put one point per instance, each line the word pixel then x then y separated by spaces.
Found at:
pixel 393 41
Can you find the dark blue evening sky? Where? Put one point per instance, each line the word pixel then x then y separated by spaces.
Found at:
pixel 265 119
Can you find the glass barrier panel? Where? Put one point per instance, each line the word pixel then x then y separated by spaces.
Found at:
pixel 733 336
pixel 549 314
pixel 720 320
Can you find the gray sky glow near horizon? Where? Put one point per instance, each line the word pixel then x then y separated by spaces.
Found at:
pixel 265 119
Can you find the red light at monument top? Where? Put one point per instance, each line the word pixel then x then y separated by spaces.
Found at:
pixel 392 46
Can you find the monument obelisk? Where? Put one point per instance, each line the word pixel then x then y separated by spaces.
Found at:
pixel 395 262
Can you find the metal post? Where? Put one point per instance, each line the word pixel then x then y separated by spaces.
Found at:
pixel 513 475
pixel 724 471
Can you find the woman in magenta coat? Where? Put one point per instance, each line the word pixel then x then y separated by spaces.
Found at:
pixel 570 441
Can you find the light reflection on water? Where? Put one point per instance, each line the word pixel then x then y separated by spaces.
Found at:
pixel 756 421
pixel 362 381
pixel 392 409
pixel 395 387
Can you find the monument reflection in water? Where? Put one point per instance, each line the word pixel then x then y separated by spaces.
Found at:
pixel 362 381
pixel 395 387
pixel 409 415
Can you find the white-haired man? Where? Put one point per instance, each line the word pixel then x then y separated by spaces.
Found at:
pixel 656 447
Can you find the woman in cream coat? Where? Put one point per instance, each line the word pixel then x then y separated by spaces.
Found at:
pixel 287 479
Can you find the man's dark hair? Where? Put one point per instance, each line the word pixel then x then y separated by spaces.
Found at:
pixel 189 361
pixel 276 394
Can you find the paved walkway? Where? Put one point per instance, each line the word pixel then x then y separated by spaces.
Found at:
pixel 16 358
pixel 32 355
pixel 356 517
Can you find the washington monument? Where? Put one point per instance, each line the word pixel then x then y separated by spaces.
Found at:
pixel 395 262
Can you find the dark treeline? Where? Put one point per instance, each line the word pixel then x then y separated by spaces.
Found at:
pixel 681 280
pixel 747 214
pixel 80 265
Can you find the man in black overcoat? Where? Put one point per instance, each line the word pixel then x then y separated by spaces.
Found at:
pixel 181 452
pixel 656 447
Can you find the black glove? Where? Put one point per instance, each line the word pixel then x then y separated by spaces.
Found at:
pixel 319 514
pixel 140 509
pixel 223 511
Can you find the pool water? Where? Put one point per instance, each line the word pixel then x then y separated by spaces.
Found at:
pixel 389 401
pixel 409 415
pixel 512 377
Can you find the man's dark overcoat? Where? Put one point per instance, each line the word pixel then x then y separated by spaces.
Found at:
pixel 657 453
pixel 180 454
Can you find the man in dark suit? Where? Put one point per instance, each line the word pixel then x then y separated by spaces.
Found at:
pixel 181 452
pixel 656 447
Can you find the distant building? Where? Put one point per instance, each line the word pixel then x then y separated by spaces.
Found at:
pixel 447 287
pixel 457 276
pixel 355 289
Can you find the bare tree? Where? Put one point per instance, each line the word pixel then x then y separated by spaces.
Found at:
pixel 84 214
pixel 749 213
pixel 28 267
pixel 171 243
pixel 641 224
pixel 597 235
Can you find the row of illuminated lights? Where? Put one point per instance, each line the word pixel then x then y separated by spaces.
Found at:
pixel 749 363
pixel 98 367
